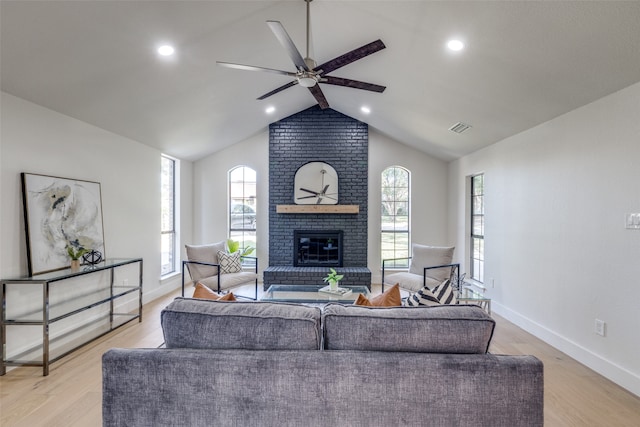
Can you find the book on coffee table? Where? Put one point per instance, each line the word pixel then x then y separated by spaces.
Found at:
pixel 338 292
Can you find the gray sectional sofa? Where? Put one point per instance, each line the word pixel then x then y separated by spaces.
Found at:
pixel 278 364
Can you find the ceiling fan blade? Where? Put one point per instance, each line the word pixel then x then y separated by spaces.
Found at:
pixel 252 68
pixel 287 43
pixel 306 197
pixel 281 88
pixel 319 96
pixel 350 57
pixel 339 81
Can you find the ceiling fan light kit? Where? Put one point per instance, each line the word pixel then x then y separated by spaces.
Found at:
pixel 308 74
pixel 307 80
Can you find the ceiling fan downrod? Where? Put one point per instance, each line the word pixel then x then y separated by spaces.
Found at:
pixel 308 26
pixel 308 78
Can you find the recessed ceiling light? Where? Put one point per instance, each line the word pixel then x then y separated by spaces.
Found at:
pixel 365 110
pixel 166 50
pixel 455 45
pixel 270 109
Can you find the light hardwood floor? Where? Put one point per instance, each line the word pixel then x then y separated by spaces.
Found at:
pixel 71 394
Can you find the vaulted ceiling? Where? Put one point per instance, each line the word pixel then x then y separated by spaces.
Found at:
pixel 523 64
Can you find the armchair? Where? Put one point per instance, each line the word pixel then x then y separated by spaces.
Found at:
pixel 212 267
pixel 429 266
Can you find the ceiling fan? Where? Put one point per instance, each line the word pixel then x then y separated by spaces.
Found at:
pixel 308 73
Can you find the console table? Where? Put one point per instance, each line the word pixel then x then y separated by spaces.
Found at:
pixel 50 282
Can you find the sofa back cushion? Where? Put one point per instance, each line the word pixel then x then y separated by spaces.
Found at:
pixel 460 329
pixel 192 323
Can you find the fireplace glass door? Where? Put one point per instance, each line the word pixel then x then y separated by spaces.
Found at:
pixel 313 248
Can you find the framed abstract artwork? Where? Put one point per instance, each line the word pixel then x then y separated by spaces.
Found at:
pixel 60 213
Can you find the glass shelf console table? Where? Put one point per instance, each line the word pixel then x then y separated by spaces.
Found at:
pixel 85 289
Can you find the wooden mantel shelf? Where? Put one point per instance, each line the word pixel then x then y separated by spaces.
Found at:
pixel 318 209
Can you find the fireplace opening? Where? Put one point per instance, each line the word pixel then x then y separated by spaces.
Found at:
pixel 317 248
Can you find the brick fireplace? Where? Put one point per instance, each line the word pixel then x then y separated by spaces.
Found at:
pixel 341 141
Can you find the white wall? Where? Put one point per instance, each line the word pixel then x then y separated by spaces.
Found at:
pixel 211 192
pixel 555 242
pixel 429 195
pixel 429 189
pixel 38 140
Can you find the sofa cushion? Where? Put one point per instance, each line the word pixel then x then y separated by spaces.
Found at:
pixel 410 281
pixel 203 253
pixel 431 256
pixel 462 329
pixel 389 298
pixel 229 280
pixel 193 323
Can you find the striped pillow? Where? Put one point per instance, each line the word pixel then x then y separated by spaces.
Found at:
pixel 441 294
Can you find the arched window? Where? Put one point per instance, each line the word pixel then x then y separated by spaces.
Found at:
pixel 396 196
pixel 242 206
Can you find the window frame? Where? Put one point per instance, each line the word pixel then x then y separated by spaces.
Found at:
pixel 173 229
pixel 246 201
pixel 401 247
pixel 477 228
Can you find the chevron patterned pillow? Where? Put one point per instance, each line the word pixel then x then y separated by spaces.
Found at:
pixel 229 263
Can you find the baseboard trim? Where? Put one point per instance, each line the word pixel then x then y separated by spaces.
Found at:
pixel 165 287
pixel 608 369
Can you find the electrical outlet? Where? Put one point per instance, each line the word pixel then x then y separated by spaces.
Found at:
pixel 600 327
pixel 632 221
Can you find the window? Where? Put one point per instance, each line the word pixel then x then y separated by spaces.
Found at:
pixel 168 212
pixel 477 227
pixel 242 206
pixel 395 215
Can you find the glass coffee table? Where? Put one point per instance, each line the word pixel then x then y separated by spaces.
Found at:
pixel 312 294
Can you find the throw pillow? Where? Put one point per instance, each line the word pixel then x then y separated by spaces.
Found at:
pixel 389 298
pixel 203 292
pixel 229 263
pixel 445 293
pixel 441 294
pixel 423 297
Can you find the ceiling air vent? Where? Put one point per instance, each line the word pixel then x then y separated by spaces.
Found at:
pixel 459 127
